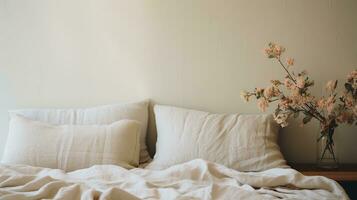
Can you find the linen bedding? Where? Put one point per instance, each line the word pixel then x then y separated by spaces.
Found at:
pixel 196 179
pixel 245 142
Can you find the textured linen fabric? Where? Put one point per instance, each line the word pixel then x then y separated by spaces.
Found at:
pixel 101 115
pixel 242 142
pixel 196 179
pixel 72 147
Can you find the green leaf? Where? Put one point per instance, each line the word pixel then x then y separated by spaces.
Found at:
pixel 277 111
pixel 306 119
pixel 309 83
pixel 296 114
pixel 348 87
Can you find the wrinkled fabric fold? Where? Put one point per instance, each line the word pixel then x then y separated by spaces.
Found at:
pixel 196 179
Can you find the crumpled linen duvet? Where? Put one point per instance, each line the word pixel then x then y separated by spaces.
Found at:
pixel 197 179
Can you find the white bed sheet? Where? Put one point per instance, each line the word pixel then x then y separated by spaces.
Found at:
pixel 197 179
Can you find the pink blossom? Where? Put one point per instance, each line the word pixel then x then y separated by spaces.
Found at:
pixel 259 90
pixel 263 104
pixel 296 99
pixel 245 95
pixel 277 51
pixel 274 50
pixel 300 82
pixel 331 85
pixel 268 92
pixel 268 51
pixel 330 104
pixel 288 84
pixel 349 100
pixel 352 75
pixel 321 103
pixel 276 82
pixel 271 91
pixel 344 117
pixel 330 108
pixel 284 103
pixel 290 61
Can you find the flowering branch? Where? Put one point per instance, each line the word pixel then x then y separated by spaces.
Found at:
pixel 293 96
pixel 287 71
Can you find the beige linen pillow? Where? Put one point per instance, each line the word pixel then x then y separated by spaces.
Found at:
pixel 241 142
pixel 72 147
pixel 102 115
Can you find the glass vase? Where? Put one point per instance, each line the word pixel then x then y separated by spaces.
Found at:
pixel 326 150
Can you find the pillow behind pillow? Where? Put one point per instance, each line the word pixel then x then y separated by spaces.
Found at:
pixel 102 115
pixel 72 147
pixel 241 142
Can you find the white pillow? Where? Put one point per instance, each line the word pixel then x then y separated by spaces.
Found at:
pixel 72 147
pixel 100 115
pixel 241 142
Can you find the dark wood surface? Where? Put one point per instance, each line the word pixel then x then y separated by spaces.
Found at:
pixel 345 172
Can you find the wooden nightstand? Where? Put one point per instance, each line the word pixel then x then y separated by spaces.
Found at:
pixel 346 175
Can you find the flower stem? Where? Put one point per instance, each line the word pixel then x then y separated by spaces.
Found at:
pixel 287 71
pixel 313 112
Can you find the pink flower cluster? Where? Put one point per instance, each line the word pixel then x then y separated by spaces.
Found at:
pixel 293 96
pixel 274 50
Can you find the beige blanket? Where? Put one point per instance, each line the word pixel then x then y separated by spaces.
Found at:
pixel 197 179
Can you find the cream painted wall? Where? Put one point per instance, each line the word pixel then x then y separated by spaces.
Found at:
pixel 197 54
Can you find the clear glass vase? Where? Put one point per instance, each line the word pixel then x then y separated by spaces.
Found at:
pixel 326 150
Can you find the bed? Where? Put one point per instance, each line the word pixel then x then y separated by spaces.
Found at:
pixel 196 179
pixel 65 154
